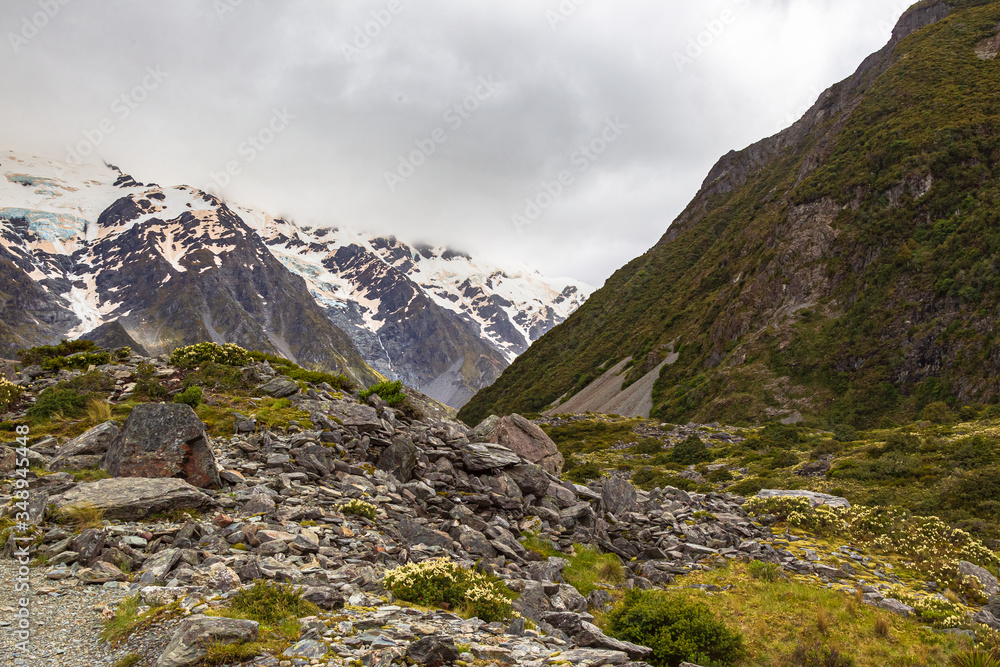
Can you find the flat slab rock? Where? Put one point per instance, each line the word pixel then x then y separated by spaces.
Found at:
pixel 592 656
pixel 816 499
pixel 196 634
pixel 133 498
pixel 478 457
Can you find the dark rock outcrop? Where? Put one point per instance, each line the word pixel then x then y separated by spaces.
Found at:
pixel 163 440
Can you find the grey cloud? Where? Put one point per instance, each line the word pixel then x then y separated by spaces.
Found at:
pixel 357 110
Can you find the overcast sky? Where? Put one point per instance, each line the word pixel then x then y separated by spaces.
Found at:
pixel 435 121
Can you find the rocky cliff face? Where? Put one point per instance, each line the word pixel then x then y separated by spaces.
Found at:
pixel 827 270
pixel 88 247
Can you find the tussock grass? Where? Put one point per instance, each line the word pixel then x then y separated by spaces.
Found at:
pixel 131 617
pixel 129 660
pixel 81 516
pixel 770 616
pixel 229 654
pixel 98 411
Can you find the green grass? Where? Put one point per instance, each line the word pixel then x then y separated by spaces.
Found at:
pixel 777 617
pixel 127 620
pixel 587 568
pixel 88 474
pixel 80 517
pixel 269 604
pixel 129 660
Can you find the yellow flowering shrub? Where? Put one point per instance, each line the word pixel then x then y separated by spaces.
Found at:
pixel 9 393
pixel 932 548
pixel 228 354
pixel 441 582
pixel 360 508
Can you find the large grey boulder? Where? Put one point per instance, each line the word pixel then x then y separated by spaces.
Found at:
pixel 618 495
pixel 399 459
pixel 896 607
pixel 815 499
pixel 96 441
pixel 986 618
pixel 163 440
pixel 433 651
pixel 196 634
pixel 523 437
pixel 88 545
pixel 594 657
pixel 531 479
pixel 363 418
pixel 414 533
pixel 279 387
pixel 133 498
pixel 585 633
pixel 986 580
pixel 994 606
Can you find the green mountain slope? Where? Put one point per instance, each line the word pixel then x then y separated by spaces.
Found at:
pixel 846 268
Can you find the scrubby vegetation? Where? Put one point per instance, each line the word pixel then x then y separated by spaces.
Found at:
pixel 924 545
pixel 440 582
pixel 360 508
pixel 42 353
pixel 390 392
pixel 677 628
pixel 9 393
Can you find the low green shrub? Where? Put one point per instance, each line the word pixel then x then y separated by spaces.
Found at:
pixel 648 446
pixel 439 581
pixel 938 413
pixel 678 629
pixel 764 571
pixel 583 472
pixel 781 458
pixel 270 603
pixel 37 355
pixel 94 382
pixel 390 392
pixel 690 451
pixel 817 655
pixel 845 433
pixel 146 384
pixel 77 361
pixel 52 401
pixel 191 396
pixel 360 508
pixel 748 486
pixel 720 475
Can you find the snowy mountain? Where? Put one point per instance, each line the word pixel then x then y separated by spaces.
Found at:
pixel 86 246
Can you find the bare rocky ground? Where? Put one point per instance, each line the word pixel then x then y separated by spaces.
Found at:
pixel 272 505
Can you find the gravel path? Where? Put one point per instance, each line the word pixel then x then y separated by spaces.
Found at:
pixel 65 622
